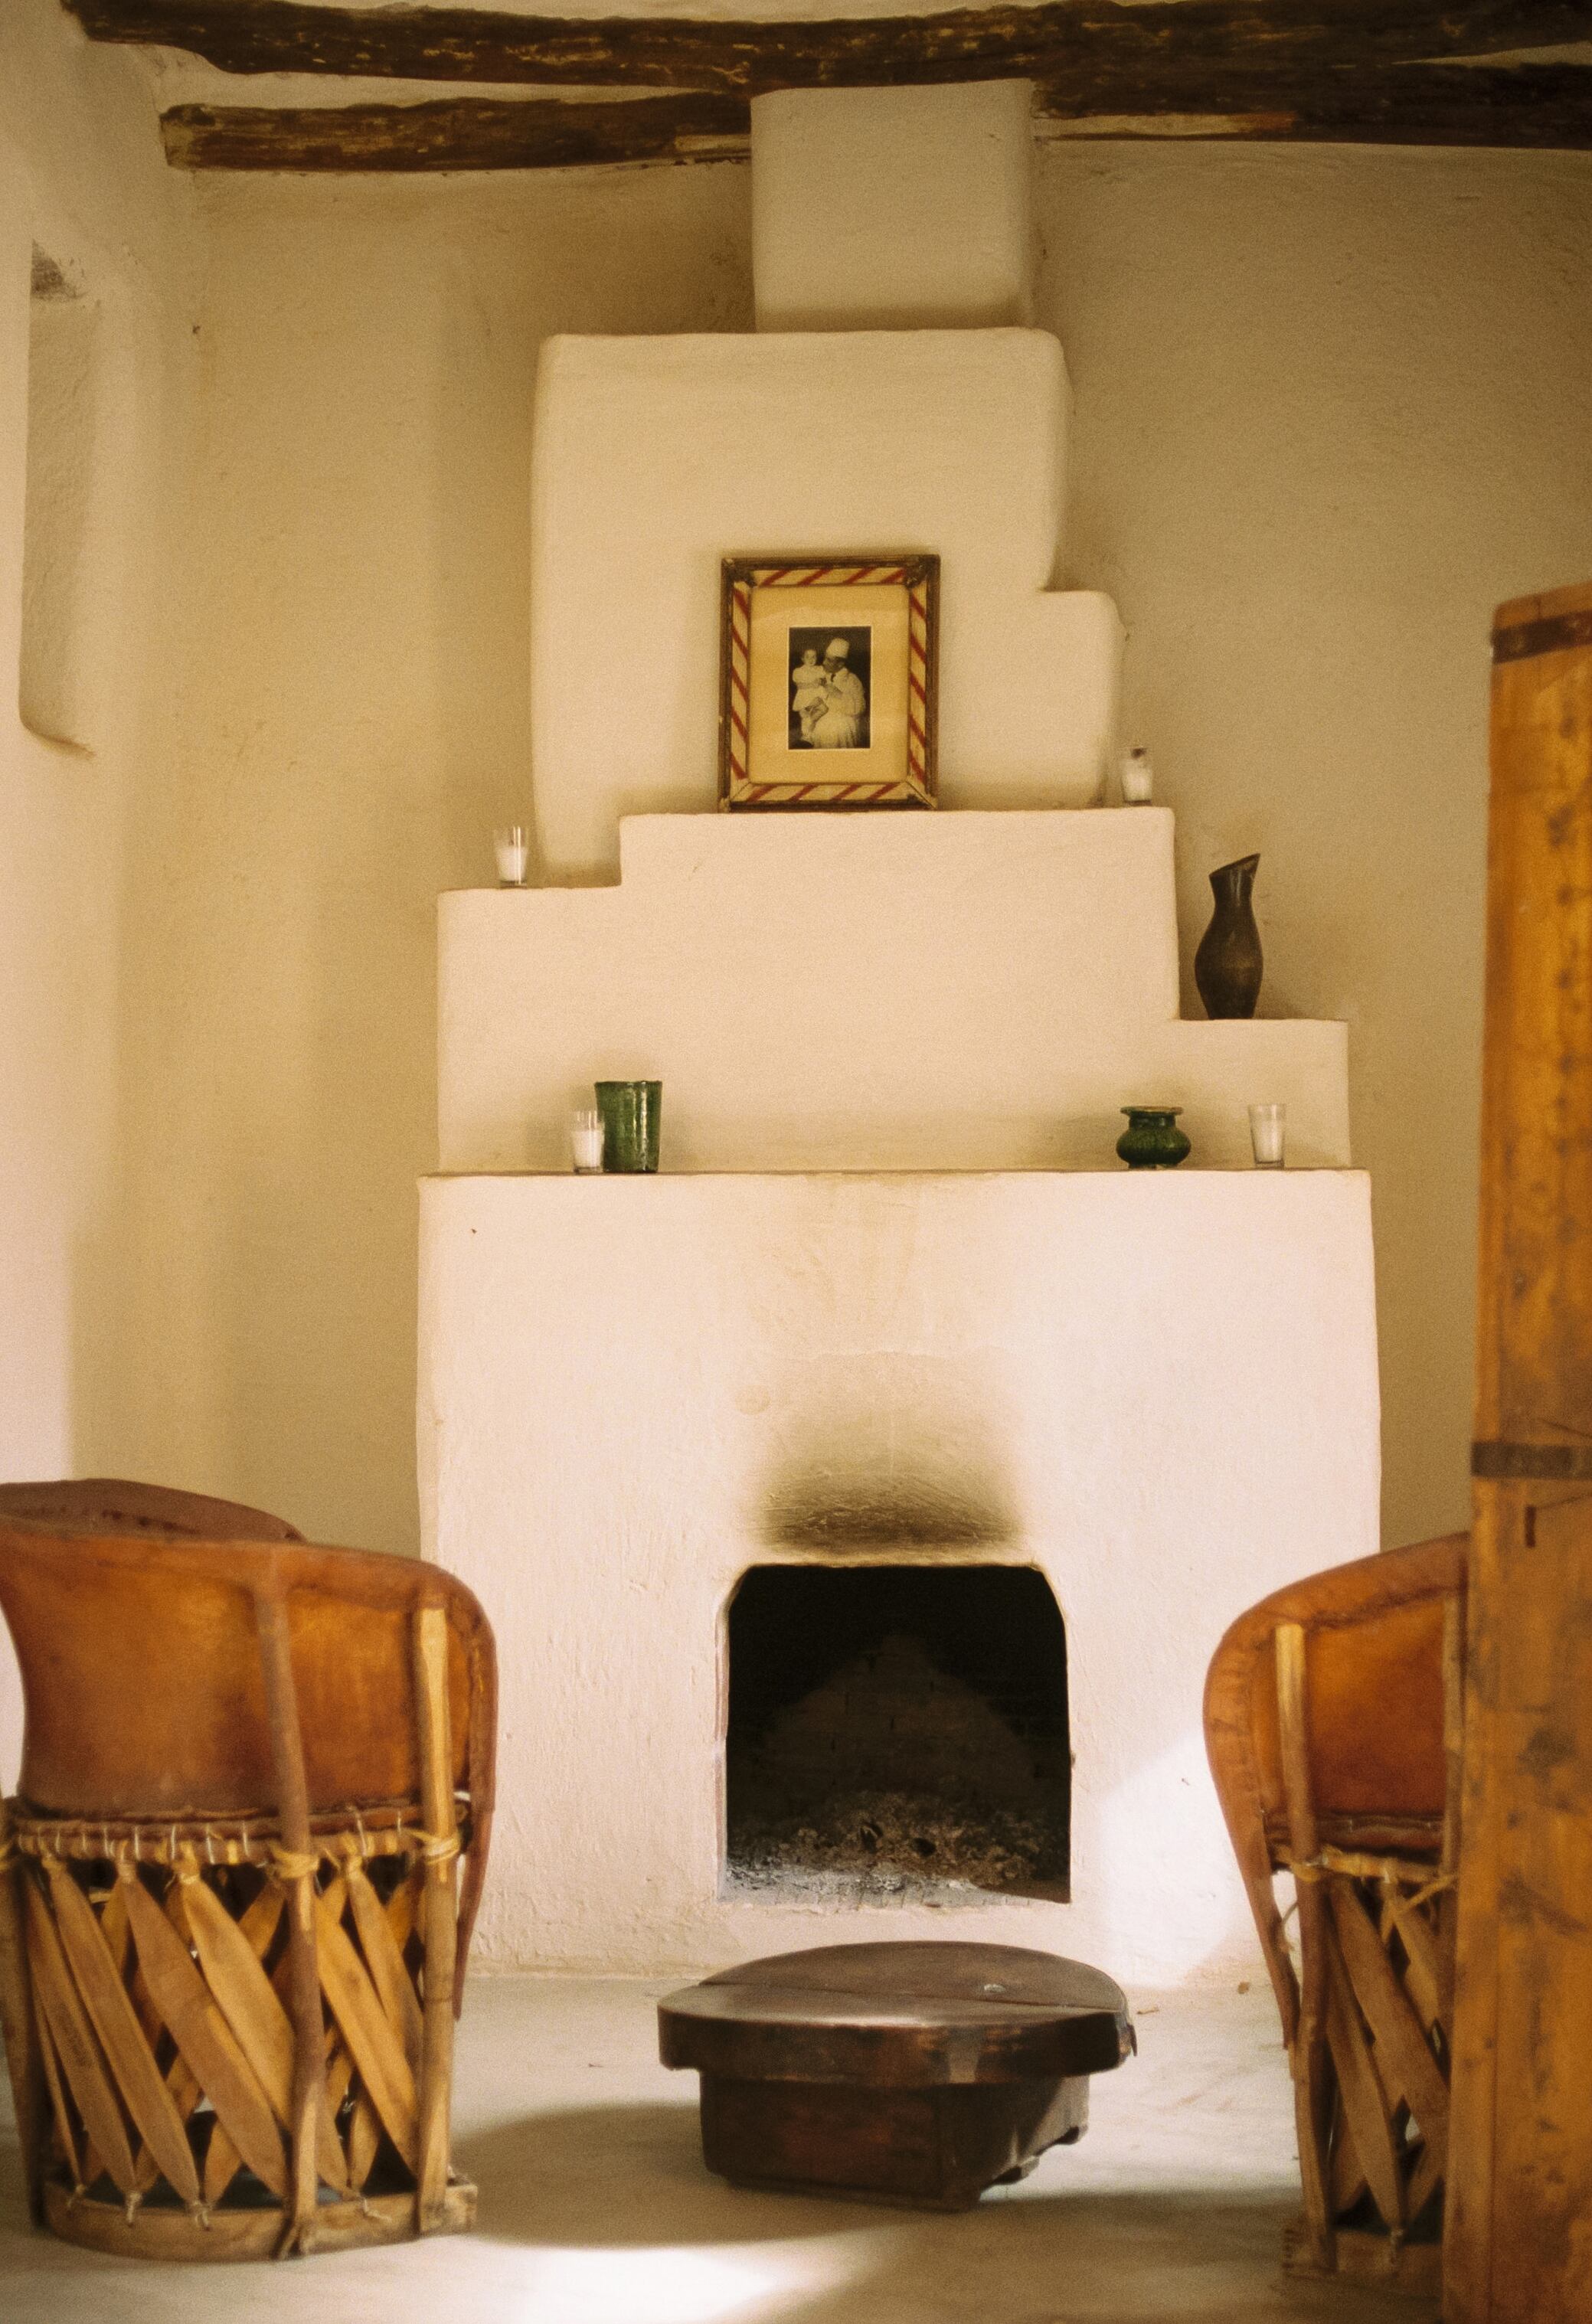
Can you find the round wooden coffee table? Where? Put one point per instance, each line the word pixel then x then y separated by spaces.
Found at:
pixel 917 2074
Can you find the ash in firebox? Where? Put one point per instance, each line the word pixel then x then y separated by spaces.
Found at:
pixel 869 1846
pixel 892 1781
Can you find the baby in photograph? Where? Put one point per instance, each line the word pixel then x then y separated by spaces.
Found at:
pixel 807 687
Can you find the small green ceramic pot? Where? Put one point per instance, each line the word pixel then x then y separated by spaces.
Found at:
pixel 631 1111
pixel 1152 1140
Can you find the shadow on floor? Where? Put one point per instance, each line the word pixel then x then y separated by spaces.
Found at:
pixel 594 2177
pixel 620 2177
pixel 1086 2257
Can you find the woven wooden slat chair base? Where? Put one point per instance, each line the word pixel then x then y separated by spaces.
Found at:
pixel 246 2234
pixel 159 1960
pixel 1382 1953
pixel 1365 2255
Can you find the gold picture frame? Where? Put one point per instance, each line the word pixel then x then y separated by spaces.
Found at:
pixel 828 680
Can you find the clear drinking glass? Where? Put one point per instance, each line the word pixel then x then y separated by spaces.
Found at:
pixel 513 846
pixel 585 1140
pixel 1267 1126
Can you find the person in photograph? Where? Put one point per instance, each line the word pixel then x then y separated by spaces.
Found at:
pixel 838 723
pixel 808 691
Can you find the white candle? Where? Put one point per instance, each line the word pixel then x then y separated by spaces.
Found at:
pixel 1266 1135
pixel 585 1140
pixel 1138 777
pixel 513 854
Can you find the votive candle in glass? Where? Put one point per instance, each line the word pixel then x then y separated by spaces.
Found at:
pixel 513 845
pixel 1266 1123
pixel 585 1140
pixel 1138 777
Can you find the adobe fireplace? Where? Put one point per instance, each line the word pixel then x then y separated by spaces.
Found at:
pixel 896 1732
pixel 889 1232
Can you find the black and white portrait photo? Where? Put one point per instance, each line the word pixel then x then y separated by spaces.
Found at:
pixel 837 654
pixel 830 671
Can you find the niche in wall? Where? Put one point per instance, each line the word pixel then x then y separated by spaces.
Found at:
pixel 897 1732
pixel 53 682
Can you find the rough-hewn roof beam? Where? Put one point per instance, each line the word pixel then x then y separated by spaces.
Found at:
pixel 458 133
pixel 1547 107
pixel 1081 40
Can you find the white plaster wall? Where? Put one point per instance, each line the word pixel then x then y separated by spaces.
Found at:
pixel 80 175
pixel 60 686
pixel 865 991
pixel 1161 1392
pixel 350 721
pixel 1331 407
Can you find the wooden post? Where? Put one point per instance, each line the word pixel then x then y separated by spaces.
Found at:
pixel 281 1700
pixel 1308 2056
pixel 1518 2239
pixel 442 1867
pixel 18 2023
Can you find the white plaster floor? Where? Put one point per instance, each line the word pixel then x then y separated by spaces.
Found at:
pixel 595 2208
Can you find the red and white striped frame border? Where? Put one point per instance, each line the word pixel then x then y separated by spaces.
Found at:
pixel 919 575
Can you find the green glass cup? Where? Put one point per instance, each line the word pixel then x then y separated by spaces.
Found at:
pixel 631 1112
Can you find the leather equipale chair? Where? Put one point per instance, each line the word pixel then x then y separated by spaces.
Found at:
pixel 116 1505
pixel 1332 1720
pixel 232 1875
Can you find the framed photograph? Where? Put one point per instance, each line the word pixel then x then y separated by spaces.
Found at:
pixel 829 667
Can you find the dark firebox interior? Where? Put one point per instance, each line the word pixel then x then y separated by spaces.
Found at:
pixel 899 1726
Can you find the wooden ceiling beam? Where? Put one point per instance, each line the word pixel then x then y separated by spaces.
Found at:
pixel 1457 105
pixel 458 133
pixel 1544 108
pixel 1072 37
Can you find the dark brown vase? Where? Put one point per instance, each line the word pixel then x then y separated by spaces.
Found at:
pixel 1228 964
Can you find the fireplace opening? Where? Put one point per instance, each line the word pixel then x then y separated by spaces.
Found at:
pixel 896 1732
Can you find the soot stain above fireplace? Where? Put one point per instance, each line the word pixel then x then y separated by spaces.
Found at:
pixel 819 1510
pixel 896 1734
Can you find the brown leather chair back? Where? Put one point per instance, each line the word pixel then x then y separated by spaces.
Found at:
pixel 144 1694
pixel 1375 1718
pixel 104 1505
pixel 1374 1729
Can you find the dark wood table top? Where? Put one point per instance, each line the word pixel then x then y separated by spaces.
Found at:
pixel 899 2015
